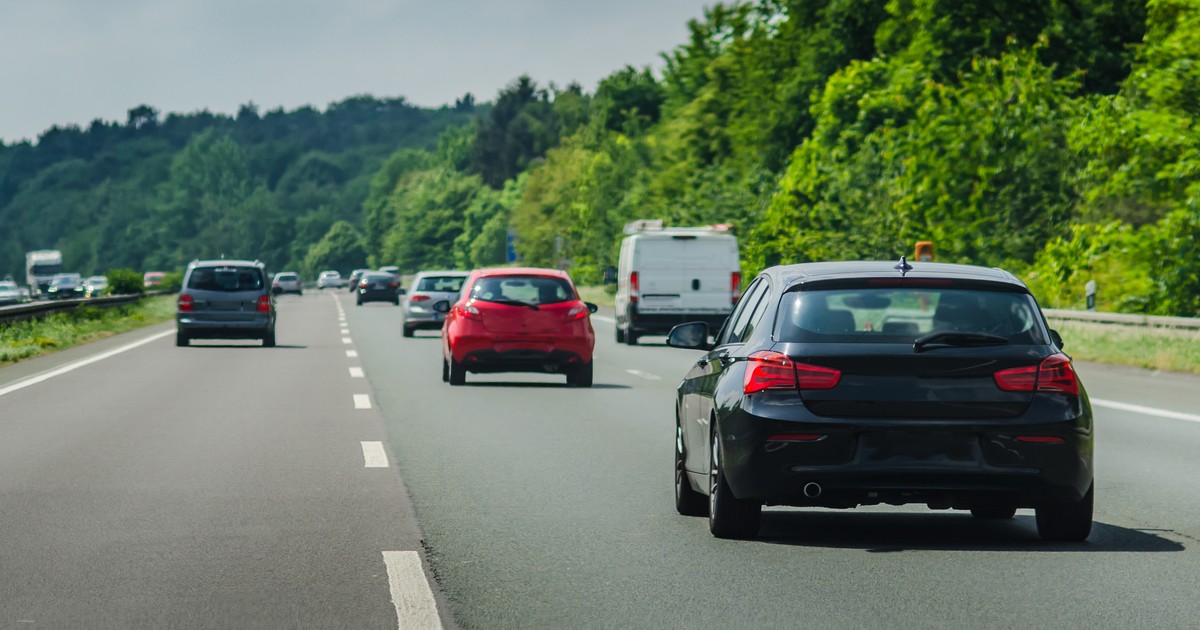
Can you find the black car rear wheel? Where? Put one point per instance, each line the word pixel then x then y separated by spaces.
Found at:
pixel 620 334
pixel 1068 521
pixel 269 339
pixel 994 512
pixel 688 502
pixel 728 516
pixel 458 373
pixel 407 331
pixel 181 339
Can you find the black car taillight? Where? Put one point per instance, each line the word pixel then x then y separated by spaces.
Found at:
pixel 769 370
pixel 1053 374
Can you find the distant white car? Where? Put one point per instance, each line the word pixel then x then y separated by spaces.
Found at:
pixel 330 279
pixel 287 282
pixel 10 293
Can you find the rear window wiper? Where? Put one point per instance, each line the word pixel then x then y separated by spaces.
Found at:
pixel 515 303
pixel 949 339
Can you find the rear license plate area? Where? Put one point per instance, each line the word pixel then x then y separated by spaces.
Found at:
pixel 924 446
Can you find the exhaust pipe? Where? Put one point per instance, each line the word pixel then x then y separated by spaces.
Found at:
pixel 812 490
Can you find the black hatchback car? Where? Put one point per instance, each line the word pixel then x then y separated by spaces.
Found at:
pixel 377 286
pixel 861 383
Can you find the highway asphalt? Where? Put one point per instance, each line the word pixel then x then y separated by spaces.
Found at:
pixel 227 486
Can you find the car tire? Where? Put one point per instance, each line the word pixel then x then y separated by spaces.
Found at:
pixel 631 337
pixel 994 513
pixel 407 331
pixel 688 502
pixel 396 302
pixel 1069 521
pixel 580 376
pixel 445 371
pixel 458 373
pixel 269 339
pixel 620 334
pixel 358 302
pixel 181 339
pixel 728 516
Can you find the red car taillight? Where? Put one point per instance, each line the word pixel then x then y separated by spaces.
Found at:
pixel 185 304
pixel 773 370
pixel 468 311
pixel 735 286
pixel 1053 374
pixel 633 286
pixel 264 304
pixel 577 312
pixel 419 297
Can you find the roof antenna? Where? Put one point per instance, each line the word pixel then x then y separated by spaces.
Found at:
pixel 904 267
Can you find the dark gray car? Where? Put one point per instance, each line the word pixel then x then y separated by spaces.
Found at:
pixel 225 299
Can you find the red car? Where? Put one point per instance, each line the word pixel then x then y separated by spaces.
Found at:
pixel 518 320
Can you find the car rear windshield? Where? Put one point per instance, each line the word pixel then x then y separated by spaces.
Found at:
pixel 286 276
pixel 444 284
pixel 900 315
pixel 227 279
pixel 528 289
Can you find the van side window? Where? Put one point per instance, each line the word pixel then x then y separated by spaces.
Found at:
pixel 736 327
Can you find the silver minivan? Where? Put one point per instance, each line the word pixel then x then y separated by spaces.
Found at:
pixel 429 288
pixel 225 299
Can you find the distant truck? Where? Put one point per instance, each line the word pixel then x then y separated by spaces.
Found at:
pixel 40 268
pixel 669 275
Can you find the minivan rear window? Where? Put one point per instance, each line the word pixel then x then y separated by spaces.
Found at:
pixel 228 279
pixel 900 315
pixel 527 289
pixel 445 284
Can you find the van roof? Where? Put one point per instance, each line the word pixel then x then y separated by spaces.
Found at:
pixel 670 233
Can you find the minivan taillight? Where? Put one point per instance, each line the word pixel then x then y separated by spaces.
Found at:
pixel 185 304
pixel 735 286
pixel 264 304
pixel 633 286
pixel 773 370
pixel 1053 374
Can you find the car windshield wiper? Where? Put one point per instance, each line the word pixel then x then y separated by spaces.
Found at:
pixel 515 303
pixel 948 339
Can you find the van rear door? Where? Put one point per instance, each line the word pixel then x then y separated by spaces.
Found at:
pixel 686 273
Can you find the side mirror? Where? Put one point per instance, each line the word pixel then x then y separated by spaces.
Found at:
pixel 442 306
pixel 1056 338
pixel 690 336
pixel 592 308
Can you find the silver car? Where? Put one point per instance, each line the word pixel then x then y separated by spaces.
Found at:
pixel 10 293
pixel 429 288
pixel 330 278
pixel 287 282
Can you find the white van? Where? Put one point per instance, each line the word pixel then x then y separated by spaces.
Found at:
pixel 668 276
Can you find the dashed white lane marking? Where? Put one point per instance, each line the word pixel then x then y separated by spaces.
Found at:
pixel 356 372
pixel 352 354
pixel 362 401
pixel 607 320
pixel 71 367
pixel 346 340
pixel 1148 411
pixel 646 375
pixel 373 455
pixel 415 606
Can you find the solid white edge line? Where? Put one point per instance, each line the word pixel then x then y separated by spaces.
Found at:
pixel 362 401
pixel 646 375
pixel 411 593
pixel 71 367
pixel 607 320
pixel 356 372
pixel 1149 411
pixel 373 455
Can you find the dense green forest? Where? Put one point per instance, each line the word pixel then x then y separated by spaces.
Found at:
pixel 1056 138
pixel 154 193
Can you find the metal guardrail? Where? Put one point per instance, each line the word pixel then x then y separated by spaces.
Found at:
pixel 1125 319
pixel 41 308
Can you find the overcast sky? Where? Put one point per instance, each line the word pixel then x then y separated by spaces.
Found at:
pixel 71 61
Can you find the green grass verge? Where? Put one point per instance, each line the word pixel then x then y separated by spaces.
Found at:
pixel 1154 348
pixel 602 296
pixel 31 338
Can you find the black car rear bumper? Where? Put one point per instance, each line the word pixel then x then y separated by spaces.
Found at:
pixel 944 463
